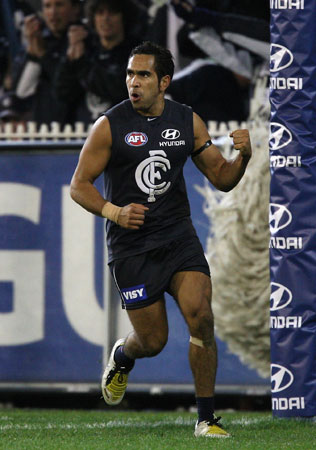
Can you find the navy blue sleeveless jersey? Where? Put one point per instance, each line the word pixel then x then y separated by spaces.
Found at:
pixel 146 167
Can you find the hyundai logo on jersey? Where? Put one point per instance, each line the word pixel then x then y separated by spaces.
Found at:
pixel 170 134
pixel 136 139
pixel 134 294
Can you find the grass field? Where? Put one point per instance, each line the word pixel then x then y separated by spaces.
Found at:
pixel 81 429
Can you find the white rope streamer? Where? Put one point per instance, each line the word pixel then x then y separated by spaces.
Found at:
pixel 238 253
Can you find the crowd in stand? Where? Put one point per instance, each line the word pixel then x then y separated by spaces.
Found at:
pixel 65 60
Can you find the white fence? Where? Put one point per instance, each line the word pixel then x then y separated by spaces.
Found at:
pixel 30 131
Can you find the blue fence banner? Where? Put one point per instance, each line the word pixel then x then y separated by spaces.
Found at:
pixel 292 207
pixel 51 316
pixel 52 309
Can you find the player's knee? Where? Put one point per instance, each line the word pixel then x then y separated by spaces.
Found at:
pixel 202 326
pixel 154 344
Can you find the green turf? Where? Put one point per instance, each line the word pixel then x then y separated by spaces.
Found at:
pixel 60 429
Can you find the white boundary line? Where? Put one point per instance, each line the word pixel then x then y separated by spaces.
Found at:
pixel 130 423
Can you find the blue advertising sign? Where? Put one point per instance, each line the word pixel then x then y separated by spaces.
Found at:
pixel 52 313
pixel 50 302
pixel 292 208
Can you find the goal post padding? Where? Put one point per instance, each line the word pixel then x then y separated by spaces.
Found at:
pixel 293 207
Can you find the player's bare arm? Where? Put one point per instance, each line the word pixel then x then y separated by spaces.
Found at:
pixel 94 158
pixel 223 174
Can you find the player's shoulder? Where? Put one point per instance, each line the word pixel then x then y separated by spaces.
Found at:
pixel 178 112
pixel 177 106
pixel 121 110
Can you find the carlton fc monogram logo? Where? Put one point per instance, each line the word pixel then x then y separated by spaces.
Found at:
pixel 149 171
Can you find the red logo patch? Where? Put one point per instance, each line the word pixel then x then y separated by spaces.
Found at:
pixel 136 139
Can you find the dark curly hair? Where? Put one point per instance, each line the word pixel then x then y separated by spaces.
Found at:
pixel 164 64
pixel 117 6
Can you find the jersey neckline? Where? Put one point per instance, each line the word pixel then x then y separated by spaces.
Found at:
pixel 152 119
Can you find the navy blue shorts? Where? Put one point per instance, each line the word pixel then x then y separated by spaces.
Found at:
pixel 144 278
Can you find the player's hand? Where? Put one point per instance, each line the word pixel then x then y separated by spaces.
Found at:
pixel 242 142
pixel 132 216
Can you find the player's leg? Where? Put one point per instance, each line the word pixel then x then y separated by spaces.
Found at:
pixel 149 336
pixel 150 331
pixel 193 292
pixel 140 282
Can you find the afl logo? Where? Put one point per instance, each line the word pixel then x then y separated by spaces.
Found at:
pixel 281 58
pixel 136 139
pixel 170 134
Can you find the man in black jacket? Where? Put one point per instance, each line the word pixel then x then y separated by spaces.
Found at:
pixel 45 35
pixel 95 68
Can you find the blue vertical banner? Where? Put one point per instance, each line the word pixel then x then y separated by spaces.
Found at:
pixel 293 207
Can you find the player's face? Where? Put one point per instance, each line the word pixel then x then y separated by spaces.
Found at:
pixel 144 90
pixel 57 14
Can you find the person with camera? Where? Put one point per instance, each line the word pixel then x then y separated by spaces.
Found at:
pixel 45 41
pixel 95 68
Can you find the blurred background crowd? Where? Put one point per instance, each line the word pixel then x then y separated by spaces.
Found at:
pixel 65 60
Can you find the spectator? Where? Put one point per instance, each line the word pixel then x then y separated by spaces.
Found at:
pixel 212 91
pixel 12 13
pixel 45 35
pixel 242 24
pixel 95 69
pixel 4 64
pixel 218 85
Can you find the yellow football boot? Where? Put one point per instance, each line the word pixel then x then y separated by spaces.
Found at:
pixel 114 380
pixel 210 428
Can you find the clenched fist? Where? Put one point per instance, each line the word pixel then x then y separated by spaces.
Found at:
pixel 76 36
pixel 132 216
pixel 242 142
